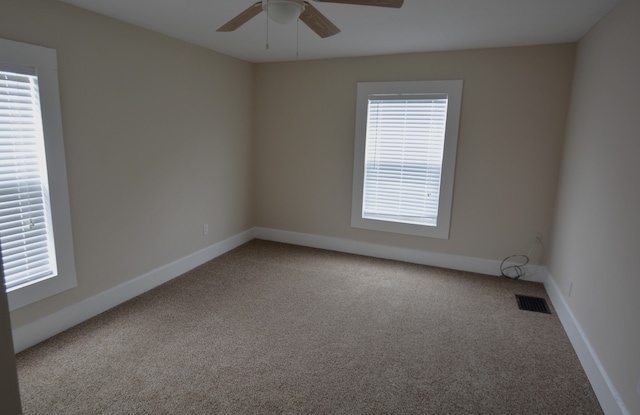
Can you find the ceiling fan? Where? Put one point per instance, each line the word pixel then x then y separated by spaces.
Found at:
pixel 285 11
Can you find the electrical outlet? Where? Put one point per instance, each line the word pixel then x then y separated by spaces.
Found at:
pixel 205 229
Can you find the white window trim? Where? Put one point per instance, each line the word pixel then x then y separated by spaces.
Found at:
pixel 46 64
pixel 453 89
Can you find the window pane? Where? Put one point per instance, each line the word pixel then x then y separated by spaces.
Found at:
pixel 403 159
pixel 25 219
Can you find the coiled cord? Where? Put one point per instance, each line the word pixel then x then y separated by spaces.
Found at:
pixel 516 270
pixel 515 266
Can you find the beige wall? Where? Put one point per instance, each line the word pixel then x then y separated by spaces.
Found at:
pixel 158 138
pixel 512 124
pixel 596 239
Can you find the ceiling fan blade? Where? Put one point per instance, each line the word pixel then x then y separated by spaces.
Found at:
pixel 396 4
pixel 318 22
pixel 242 18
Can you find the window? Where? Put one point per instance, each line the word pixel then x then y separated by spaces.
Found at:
pixel 405 151
pixel 35 225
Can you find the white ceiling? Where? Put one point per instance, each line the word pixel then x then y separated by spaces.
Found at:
pixel 419 26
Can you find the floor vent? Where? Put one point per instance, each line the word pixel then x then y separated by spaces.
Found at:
pixel 539 305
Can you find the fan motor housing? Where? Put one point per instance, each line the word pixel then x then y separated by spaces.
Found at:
pixel 283 11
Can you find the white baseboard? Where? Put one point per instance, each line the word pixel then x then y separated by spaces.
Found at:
pixel 457 262
pixel 607 395
pixel 39 330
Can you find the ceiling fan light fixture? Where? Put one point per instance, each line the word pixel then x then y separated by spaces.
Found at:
pixel 283 11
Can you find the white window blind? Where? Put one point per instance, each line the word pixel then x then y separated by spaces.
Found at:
pixel 405 138
pixel 26 237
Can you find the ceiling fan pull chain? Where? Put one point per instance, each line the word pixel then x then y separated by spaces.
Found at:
pixel 267 13
pixel 297 38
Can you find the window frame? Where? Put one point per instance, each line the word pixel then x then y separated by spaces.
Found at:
pixel 44 60
pixel 453 90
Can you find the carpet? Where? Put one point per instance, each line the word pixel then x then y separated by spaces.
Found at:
pixel 271 328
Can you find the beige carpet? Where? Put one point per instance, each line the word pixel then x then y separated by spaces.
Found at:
pixel 272 328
